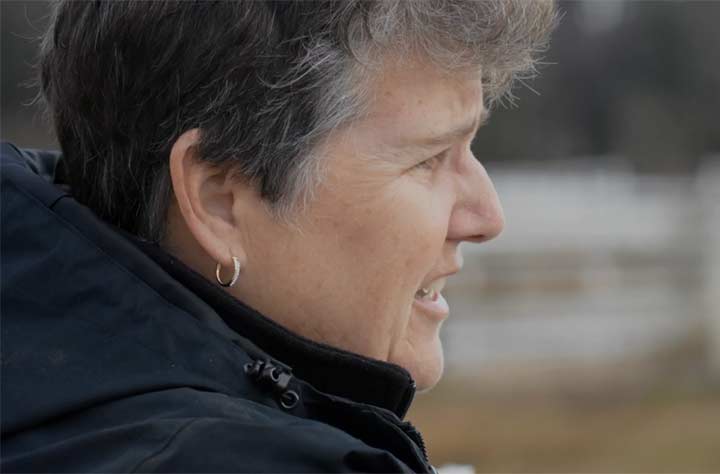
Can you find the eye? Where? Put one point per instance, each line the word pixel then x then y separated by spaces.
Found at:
pixel 432 162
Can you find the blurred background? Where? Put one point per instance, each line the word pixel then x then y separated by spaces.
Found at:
pixel 587 337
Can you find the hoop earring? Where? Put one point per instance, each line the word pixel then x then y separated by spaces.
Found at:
pixel 236 273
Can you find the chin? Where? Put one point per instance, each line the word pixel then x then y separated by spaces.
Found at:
pixel 425 382
pixel 428 372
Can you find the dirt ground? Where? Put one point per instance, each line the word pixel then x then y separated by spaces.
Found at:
pixel 650 433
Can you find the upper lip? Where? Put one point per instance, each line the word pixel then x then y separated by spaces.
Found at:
pixel 442 275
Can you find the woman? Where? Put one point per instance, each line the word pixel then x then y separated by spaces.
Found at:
pixel 237 262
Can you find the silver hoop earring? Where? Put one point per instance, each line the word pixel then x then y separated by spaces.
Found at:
pixel 236 273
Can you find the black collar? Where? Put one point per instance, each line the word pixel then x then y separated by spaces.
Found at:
pixel 328 369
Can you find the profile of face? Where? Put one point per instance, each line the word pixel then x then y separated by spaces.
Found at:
pixel 363 265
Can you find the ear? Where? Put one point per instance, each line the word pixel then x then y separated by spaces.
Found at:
pixel 208 199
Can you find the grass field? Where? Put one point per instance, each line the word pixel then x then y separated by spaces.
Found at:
pixel 649 433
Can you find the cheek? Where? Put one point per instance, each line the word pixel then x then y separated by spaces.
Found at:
pixel 378 248
pixel 401 237
pixel 410 245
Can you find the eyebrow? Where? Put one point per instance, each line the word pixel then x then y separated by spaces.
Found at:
pixel 454 134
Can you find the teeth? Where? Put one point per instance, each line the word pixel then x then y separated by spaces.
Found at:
pixel 425 293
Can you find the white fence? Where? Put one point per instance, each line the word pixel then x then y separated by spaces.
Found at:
pixel 594 265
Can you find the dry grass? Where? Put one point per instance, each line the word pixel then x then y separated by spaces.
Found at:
pixel 655 432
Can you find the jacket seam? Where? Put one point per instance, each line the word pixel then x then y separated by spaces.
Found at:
pixel 164 447
pixel 59 198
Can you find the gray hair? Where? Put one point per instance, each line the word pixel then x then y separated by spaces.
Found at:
pixel 265 82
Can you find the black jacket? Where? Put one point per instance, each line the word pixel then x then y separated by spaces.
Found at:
pixel 117 357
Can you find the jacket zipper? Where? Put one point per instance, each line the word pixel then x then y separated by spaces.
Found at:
pixel 417 437
pixel 411 432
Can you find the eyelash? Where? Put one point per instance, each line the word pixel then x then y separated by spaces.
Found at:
pixel 430 162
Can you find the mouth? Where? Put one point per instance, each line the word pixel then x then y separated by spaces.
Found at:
pixel 430 301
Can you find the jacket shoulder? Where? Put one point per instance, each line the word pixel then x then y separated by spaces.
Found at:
pixel 226 445
pixel 185 430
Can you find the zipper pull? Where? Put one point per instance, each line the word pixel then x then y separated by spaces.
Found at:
pixel 274 378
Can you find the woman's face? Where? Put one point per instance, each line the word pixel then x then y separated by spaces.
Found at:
pixel 402 191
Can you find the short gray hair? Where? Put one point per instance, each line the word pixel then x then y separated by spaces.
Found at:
pixel 264 82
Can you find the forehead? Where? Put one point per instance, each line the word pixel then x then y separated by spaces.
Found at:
pixel 414 101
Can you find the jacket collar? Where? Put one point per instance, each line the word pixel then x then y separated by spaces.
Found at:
pixel 327 368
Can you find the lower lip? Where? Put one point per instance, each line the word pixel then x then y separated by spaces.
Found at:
pixel 437 309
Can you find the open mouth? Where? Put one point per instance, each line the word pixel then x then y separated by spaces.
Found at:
pixel 427 294
pixel 430 300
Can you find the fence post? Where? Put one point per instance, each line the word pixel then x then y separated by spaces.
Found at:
pixel 708 181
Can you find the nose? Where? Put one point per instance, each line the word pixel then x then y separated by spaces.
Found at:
pixel 477 215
